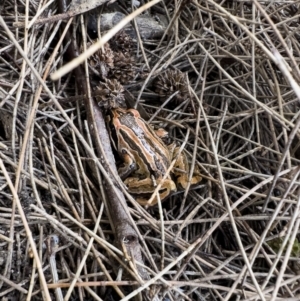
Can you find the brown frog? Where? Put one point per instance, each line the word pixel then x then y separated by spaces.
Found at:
pixel 146 158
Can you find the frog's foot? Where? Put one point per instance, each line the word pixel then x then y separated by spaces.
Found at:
pixel 128 167
pixel 181 171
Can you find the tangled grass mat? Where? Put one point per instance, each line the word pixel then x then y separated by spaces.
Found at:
pixel 222 79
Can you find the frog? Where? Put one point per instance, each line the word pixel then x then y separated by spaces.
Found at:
pixel 147 158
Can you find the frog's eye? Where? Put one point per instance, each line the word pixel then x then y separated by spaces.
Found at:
pixel 124 151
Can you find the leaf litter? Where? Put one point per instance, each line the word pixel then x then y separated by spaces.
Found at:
pixel 223 78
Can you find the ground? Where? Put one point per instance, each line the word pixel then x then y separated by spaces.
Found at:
pixel 222 79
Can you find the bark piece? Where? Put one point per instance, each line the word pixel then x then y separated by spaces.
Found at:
pixel 149 27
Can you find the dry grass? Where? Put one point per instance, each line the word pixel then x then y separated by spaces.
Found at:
pixel 233 236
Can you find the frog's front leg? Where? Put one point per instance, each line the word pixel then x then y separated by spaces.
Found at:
pixel 129 165
pixel 181 170
pixel 144 188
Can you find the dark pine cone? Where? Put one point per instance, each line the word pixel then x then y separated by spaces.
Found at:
pixel 170 82
pixel 123 69
pixel 109 94
pixel 102 61
pixel 121 42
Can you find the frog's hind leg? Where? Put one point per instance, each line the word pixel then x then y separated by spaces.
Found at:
pixel 143 190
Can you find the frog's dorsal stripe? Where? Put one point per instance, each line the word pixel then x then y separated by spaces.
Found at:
pixel 147 156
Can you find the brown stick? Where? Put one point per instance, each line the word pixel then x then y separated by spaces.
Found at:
pixel 125 234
